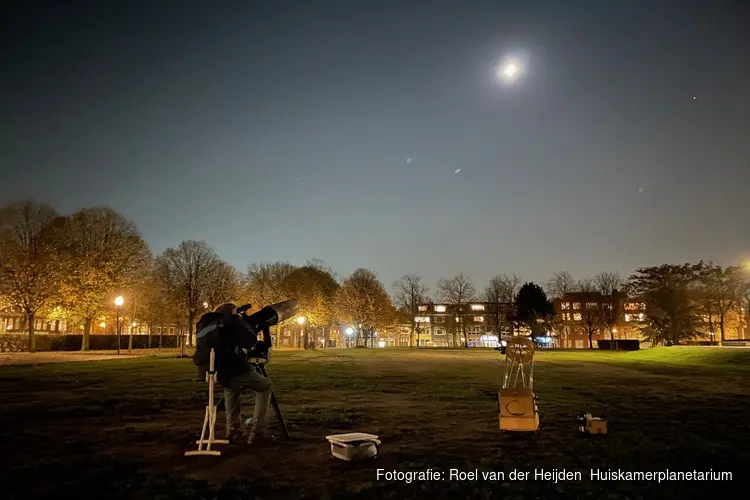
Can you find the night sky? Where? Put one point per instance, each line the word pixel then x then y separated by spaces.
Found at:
pixel 280 130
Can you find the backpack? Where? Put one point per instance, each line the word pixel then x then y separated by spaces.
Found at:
pixel 207 338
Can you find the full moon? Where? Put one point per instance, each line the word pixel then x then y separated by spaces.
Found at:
pixel 509 70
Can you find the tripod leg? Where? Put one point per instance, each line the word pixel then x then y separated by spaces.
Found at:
pixel 262 371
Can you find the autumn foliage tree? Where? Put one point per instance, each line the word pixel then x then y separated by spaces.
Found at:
pixel 362 300
pixel 719 291
pixel 102 254
pixel 315 289
pixel 29 264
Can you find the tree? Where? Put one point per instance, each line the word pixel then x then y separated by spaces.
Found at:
pixel 533 309
pixel 457 291
pixel 363 301
pixel 225 284
pixel 315 290
pixel 501 293
pixel 186 273
pixel 608 284
pixel 410 293
pixel 558 286
pixel 671 313
pixel 265 286
pixel 744 300
pixel 591 319
pixel 102 253
pixel 719 291
pixel 29 267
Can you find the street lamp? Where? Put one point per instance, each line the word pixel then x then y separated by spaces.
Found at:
pixel 301 322
pixel 349 333
pixel 119 301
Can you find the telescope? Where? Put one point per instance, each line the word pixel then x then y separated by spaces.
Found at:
pixel 269 315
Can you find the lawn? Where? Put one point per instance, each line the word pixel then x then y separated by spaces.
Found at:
pixel 118 428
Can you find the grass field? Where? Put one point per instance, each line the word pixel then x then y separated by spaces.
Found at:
pixel 118 429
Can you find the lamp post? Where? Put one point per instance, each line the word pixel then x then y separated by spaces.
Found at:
pixel 119 301
pixel 301 322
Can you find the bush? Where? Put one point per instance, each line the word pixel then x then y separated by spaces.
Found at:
pixel 19 342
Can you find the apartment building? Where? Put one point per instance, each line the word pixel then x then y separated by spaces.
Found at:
pixel 581 312
pixel 440 324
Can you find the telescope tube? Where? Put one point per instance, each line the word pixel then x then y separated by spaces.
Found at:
pixel 273 314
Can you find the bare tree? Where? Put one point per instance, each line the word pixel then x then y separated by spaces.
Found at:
pixel 224 285
pixel 608 284
pixel 29 267
pixel 501 293
pixel 590 310
pixel 410 293
pixel 719 291
pixel 560 284
pixel 457 291
pixel 186 273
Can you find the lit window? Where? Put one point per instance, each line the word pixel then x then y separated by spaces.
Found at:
pixel 565 305
pixel 479 318
pixel 576 305
pixel 440 309
pixel 640 316
pixel 576 316
pixel 422 308
pixel 627 317
pixel 477 307
pixel 422 319
pixel 458 320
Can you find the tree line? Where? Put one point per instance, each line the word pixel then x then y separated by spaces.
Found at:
pixel 678 302
pixel 71 267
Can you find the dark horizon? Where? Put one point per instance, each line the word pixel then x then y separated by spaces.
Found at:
pixel 335 130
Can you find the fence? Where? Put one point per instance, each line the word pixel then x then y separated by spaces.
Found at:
pixel 19 342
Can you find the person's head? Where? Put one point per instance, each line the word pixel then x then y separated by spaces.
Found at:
pixel 227 308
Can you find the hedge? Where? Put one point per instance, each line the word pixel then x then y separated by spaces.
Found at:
pixel 19 342
pixel 621 345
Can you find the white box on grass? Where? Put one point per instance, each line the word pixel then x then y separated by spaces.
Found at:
pixel 354 446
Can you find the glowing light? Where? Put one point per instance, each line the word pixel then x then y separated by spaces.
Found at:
pixel 349 330
pixel 119 301
pixel 301 320
pixel 133 323
pixel 102 324
pixel 381 343
pixel 509 70
pixel 205 304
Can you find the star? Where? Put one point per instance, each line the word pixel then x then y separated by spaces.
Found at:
pixel 457 171
pixel 693 97
pixel 408 160
pixel 641 190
